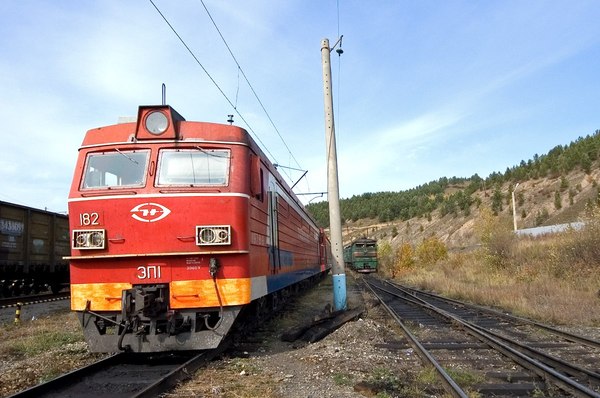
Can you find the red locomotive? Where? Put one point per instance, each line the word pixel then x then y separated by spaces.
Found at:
pixel 178 226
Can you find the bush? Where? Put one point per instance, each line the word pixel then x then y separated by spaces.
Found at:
pixel 385 258
pixel 497 237
pixel 404 257
pixel 582 247
pixel 431 250
pixel 541 217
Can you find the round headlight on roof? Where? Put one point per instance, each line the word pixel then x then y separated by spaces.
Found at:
pixel 156 123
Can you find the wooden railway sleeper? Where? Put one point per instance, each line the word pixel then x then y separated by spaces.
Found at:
pixel 449 384
pixel 484 310
pixel 532 364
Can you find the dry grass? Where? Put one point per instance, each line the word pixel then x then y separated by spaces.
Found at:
pixel 554 279
pixel 229 378
pixel 39 350
pixel 32 337
pixel 526 291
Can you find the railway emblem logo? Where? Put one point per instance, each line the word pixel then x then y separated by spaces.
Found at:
pixel 149 212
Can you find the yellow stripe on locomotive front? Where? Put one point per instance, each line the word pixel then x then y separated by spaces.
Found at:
pixel 100 296
pixel 201 293
pixel 183 294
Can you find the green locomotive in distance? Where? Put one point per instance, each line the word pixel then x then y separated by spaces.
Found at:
pixel 361 255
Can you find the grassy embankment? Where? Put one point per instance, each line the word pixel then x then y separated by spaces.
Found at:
pixel 554 279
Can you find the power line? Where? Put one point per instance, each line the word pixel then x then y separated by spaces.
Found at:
pixel 211 79
pixel 247 81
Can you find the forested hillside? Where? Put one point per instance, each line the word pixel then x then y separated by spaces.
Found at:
pixel 553 187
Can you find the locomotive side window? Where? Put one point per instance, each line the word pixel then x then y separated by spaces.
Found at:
pixel 193 167
pixel 115 169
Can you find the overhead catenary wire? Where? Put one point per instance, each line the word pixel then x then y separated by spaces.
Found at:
pixel 240 70
pixel 248 82
pixel 212 79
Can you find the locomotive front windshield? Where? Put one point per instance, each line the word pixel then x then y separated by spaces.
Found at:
pixel 115 169
pixel 193 167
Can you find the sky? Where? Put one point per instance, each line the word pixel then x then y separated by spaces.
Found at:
pixel 423 89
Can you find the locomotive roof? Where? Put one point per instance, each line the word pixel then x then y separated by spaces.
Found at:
pixel 176 130
pixel 187 131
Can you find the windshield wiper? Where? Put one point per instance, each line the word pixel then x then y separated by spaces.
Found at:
pixel 130 158
pixel 213 153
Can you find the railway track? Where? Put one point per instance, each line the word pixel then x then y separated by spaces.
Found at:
pixel 125 375
pixel 32 299
pixel 502 355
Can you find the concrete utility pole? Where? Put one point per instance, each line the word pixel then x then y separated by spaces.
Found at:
pixel 514 207
pixel 333 194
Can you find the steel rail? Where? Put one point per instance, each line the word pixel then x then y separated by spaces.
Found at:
pixel 11 302
pixel 70 383
pixel 539 368
pixel 449 384
pixel 68 378
pixel 554 362
pixel 182 372
pixel 568 336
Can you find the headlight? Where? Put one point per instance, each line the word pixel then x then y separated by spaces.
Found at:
pixel 213 235
pixel 88 239
pixel 156 123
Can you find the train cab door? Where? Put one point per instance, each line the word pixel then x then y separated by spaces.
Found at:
pixel 274 258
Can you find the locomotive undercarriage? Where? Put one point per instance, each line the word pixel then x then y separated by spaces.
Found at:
pixel 146 324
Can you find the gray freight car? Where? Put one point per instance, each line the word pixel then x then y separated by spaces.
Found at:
pixel 33 243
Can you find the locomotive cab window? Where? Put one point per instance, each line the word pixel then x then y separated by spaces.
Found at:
pixel 193 167
pixel 106 170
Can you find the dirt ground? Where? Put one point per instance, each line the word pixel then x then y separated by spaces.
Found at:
pixel 352 361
